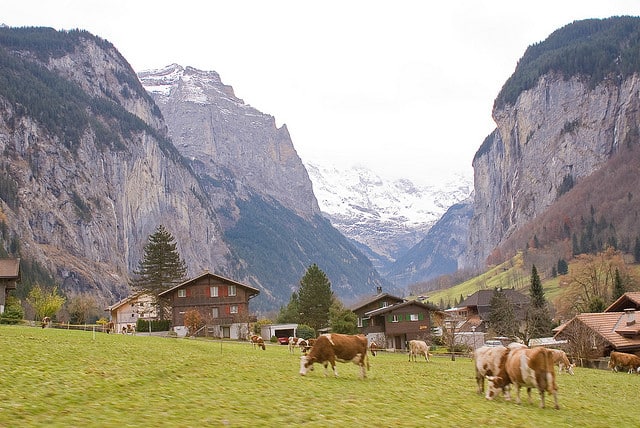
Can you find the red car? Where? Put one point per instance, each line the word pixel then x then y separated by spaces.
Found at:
pixel 283 340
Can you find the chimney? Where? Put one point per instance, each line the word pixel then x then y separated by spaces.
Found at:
pixel 631 316
pixel 379 290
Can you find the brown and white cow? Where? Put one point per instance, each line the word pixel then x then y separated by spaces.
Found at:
pixel 333 347
pixel 418 347
pixel 562 361
pixel 257 341
pixel 294 342
pixel 532 368
pixel 630 362
pixel 491 361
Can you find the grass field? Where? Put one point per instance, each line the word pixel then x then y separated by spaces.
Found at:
pixel 64 378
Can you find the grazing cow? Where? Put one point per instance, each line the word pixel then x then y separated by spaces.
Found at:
pixel 46 322
pixel 373 347
pixel 532 368
pixel 630 362
pixel 333 347
pixel 293 343
pixel 418 347
pixel 257 341
pixel 491 361
pixel 305 345
pixel 561 360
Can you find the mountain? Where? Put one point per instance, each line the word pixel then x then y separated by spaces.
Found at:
pixel 92 164
pixel 568 113
pixel 384 217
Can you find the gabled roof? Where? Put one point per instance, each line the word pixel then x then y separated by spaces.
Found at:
pixel 608 326
pixel 252 291
pixel 630 299
pixel 483 298
pixel 123 301
pixel 390 308
pixel 372 299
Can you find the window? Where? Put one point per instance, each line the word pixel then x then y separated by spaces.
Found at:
pixel 359 322
pixel 215 313
pixel 413 317
pixel 182 293
pixel 394 318
pixel 234 309
pixel 213 291
pixel 232 290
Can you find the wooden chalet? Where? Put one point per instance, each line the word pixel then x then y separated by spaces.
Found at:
pixel 391 321
pixel 222 303
pixel 477 307
pixel 615 329
pixel 9 277
pixel 127 311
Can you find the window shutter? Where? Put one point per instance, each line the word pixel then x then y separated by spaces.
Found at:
pixel 188 292
pixel 420 316
pixel 228 309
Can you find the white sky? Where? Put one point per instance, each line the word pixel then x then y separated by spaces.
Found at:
pixel 403 87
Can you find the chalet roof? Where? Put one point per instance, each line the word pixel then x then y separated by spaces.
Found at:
pixel 610 326
pixel 252 291
pixel 483 298
pixel 124 301
pixel 371 299
pixel 630 299
pixel 391 308
pixel 9 268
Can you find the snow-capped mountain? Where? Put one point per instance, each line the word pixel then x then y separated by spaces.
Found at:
pixel 384 217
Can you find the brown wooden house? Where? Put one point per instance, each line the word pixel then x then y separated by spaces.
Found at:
pixel 391 321
pixel 594 335
pixel 9 277
pixel 222 303
pixel 477 307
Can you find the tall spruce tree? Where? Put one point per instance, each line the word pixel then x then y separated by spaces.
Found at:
pixel 160 268
pixel 315 298
pixel 538 318
pixel 502 318
pixel 618 286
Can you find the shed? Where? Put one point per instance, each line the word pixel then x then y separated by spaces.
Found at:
pixel 9 277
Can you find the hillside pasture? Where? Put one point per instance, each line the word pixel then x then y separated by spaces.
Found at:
pixel 55 377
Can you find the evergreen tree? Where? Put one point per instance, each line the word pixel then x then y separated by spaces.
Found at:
pixel 618 286
pixel 502 318
pixel 636 250
pixel 538 318
pixel 563 267
pixel 161 267
pixel 315 298
pixel 290 314
pixel 341 319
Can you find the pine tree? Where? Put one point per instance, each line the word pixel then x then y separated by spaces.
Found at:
pixel 290 314
pixel 618 286
pixel 315 298
pixel 161 267
pixel 502 318
pixel 538 318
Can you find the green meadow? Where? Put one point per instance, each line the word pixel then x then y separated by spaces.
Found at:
pixel 65 378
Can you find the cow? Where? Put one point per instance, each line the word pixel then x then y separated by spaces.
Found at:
pixel 257 341
pixel 418 347
pixel 491 361
pixel 110 327
pixel 532 368
pixel 630 362
pixel 306 344
pixel 560 359
pixel 293 343
pixel 46 322
pixel 373 347
pixel 333 347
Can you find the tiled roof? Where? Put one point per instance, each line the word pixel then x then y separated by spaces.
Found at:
pixel 253 291
pixel 483 297
pixel 371 299
pixel 390 308
pixel 630 299
pixel 607 325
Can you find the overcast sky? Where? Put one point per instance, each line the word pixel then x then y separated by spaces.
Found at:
pixel 403 87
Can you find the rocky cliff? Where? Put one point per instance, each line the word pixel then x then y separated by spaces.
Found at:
pixel 557 130
pixel 89 170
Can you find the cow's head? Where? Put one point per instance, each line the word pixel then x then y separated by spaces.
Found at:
pixel 495 385
pixel 570 369
pixel 304 365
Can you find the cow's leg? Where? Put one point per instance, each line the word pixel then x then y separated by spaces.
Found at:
pixel 326 369
pixel 335 370
pixel 529 395
pixel 541 397
pixel 363 372
pixel 518 394
pixel 426 356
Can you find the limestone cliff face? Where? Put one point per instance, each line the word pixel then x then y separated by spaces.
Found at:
pixel 84 208
pixel 227 137
pixel 559 131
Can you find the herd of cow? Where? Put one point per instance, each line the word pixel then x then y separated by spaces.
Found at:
pixel 501 366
